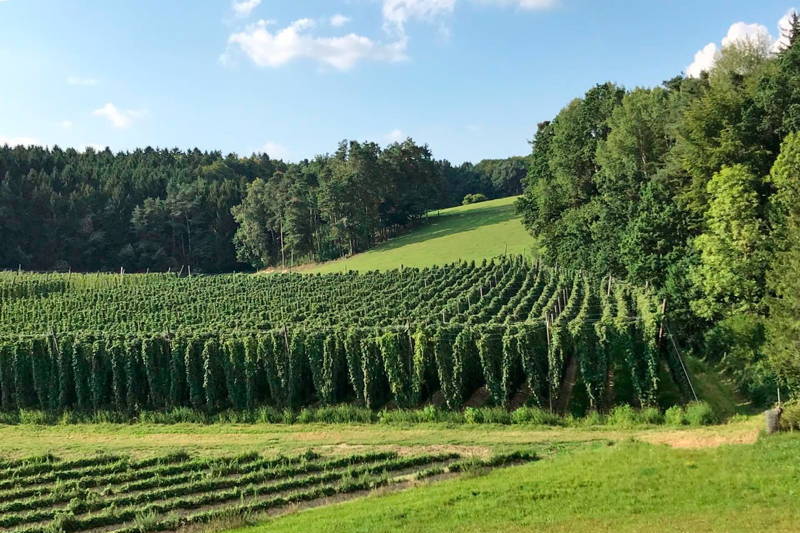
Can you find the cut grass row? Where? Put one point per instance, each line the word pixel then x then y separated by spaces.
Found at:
pixel 122 469
pixel 205 494
pixel 154 478
pixel 141 470
pixel 251 473
pixel 355 482
pixel 220 487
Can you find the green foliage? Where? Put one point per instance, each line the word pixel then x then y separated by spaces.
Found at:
pixel 736 344
pixel 176 210
pixel 413 336
pixel 733 254
pixel 700 414
pixel 667 186
pixel 474 199
pixel 675 416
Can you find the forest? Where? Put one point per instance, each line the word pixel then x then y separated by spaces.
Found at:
pixel 159 209
pixel 692 188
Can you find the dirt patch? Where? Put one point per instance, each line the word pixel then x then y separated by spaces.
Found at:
pixel 463 450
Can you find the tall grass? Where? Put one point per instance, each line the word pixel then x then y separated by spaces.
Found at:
pixel 623 416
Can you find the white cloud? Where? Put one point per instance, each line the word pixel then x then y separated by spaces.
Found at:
pixel 704 60
pixel 397 12
pixel 756 35
pixel 66 124
pixel 523 4
pixel 395 136
pixel 275 150
pixel 243 8
pixel 339 20
pixel 19 141
pixel 784 26
pixel 77 80
pixel 741 32
pixel 120 118
pixel 274 49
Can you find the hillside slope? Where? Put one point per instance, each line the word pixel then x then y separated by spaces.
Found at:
pixel 472 232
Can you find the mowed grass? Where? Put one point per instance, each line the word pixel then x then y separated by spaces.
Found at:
pixel 624 487
pixel 472 232
pixel 594 478
pixel 146 440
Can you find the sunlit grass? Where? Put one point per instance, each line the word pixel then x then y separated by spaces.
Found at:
pixel 472 232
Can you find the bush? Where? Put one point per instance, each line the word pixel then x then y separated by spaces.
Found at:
pixel 268 415
pixel 35 418
pixel 790 419
pixel 535 415
pixel 675 416
pixel 593 418
pixel 486 415
pixel 651 415
pixel 623 416
pixel 474 198
pixel 337 414
pixel 494 415
pixel 472 415
pixel 700 414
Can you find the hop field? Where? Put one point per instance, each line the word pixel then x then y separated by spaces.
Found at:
pixel 520 331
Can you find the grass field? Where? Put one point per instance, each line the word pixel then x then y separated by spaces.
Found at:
pixel 594 478
pixel 472 232
pixel 625 487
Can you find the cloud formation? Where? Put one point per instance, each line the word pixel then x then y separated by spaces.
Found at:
pixel 119 118
pixel 243 8
pixel 740 32
pixel 274 49
pixel 339 20
pixel 299 40
pixel 397 12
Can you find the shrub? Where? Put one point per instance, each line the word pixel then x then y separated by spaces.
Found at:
pixel 651 415
pixel 675 416
pixel 473 415
pixel 268 415
pixel 790 419
pixel 34 418
pixel 288 416
pixel 623 416
pixel 493 415
pixel 306 416
pixel 700 414
pixel 593 418
pixel 474 198
pixel 535 415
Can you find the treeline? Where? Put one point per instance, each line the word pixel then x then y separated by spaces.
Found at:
pixel 158 209
pixel 692 187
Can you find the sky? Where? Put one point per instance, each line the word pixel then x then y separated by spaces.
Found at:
pixel 292 78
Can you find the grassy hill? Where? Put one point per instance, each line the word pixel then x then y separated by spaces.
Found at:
pixel 469 232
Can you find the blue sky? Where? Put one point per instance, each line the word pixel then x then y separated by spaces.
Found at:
pixel 471 78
